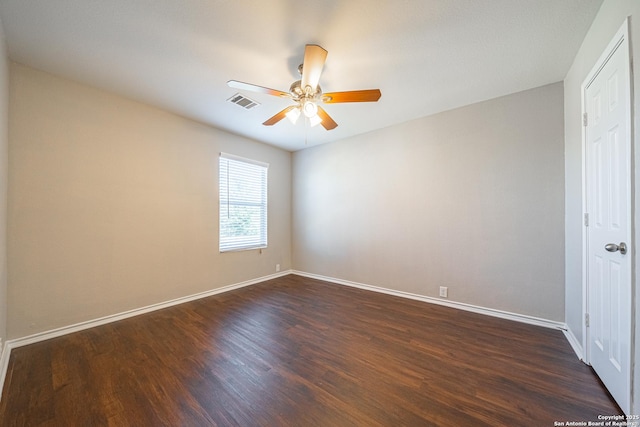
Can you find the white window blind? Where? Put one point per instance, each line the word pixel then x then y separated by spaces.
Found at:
pixel 243 203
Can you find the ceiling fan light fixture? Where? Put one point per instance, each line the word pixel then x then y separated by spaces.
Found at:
pixel 315 120
pixel 293 115
pixel 309 108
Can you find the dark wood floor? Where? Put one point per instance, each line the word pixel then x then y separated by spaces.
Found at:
pixel 300 352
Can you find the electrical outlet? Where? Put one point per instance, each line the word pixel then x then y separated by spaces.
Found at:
pixel 444 291
pixel 277 268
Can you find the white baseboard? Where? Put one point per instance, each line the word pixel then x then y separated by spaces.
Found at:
pixel 459 305
pixel 4 364
pixel 575 343
pixel 42 336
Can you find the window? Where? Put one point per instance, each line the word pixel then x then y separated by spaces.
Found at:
pixel 243 203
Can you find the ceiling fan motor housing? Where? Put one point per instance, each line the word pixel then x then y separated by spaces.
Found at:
pixel 299 93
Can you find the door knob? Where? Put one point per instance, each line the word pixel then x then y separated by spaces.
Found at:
pixel 612 247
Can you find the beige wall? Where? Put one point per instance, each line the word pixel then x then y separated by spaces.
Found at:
pixel 609 19
pixel 471 199
pixel 4 151
pixel 113 205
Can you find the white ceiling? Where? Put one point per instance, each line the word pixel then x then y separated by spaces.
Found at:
pixel 426 56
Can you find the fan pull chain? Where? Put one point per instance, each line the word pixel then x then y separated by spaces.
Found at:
pixel 306 130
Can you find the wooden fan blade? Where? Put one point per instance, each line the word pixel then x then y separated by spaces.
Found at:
pixel 314 57
pixel 254 88
pixel 279 116
pixel 369 95
pixel 327 122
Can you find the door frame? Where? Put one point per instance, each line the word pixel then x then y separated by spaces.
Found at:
pixel 620 40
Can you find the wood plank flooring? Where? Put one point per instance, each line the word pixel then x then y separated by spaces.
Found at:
pixel 300 352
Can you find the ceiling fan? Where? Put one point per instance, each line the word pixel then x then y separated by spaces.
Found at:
pixel 306 92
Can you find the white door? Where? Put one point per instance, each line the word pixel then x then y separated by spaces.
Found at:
pixel 608 201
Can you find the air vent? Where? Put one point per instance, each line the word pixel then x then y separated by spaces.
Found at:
pixel 243 101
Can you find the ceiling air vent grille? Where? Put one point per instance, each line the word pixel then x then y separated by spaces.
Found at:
pixel 243 101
